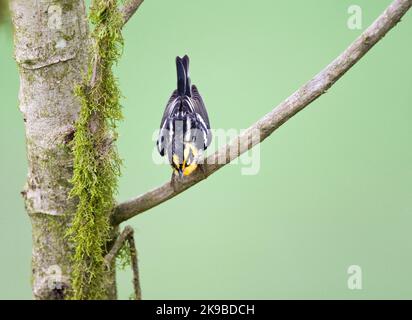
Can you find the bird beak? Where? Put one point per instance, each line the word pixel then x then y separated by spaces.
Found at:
pixel 180 173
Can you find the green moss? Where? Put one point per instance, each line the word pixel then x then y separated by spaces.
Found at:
pixel 123 258
pixel 28 62
pixel 96 162
pixel 68 6
pixel 68 37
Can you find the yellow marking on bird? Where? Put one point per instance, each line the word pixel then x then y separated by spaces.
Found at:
pixel 184 162
pixel 176 160
pixel 189 169
pixel 186 151
pixel 186 167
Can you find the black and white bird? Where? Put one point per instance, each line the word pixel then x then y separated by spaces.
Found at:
pixel 185 127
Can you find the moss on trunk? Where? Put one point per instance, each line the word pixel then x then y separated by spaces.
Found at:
pixel 52 52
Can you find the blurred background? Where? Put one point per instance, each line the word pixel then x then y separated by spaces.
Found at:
pixel 334 186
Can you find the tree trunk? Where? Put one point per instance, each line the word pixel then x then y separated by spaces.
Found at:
pixel 51 48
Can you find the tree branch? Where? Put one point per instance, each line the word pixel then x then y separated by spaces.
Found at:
pixel 129 9
pixel 118 244
pixel 127 235
pixel 135 268
pixel 273 120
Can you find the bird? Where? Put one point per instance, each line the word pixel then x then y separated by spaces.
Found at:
pixel 185 127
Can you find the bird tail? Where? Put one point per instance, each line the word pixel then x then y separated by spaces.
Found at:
pixel 183 80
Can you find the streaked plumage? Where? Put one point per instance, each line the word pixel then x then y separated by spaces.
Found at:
pixel 185 127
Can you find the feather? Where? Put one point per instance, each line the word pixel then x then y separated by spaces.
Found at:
pixel 181 76
pixel 185 123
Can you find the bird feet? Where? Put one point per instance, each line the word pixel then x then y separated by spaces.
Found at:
pixel 176 181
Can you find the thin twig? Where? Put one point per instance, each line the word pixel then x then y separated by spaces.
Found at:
pixel 135 268
pixel 129 9
pixel 127 235
pixel 273 120
pixel 118 244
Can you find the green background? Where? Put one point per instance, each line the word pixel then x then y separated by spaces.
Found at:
pixel 334 187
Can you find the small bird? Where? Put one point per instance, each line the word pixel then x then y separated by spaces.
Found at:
pixel 185 127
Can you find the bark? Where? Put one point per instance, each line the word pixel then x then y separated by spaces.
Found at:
pixel 130 9
pixel 51 47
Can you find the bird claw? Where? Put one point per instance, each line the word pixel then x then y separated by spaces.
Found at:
pixel 175 180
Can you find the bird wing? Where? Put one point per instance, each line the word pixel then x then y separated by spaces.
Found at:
pixel 200 106
pixel 169 107
pixel 202 115
pixel 162 138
